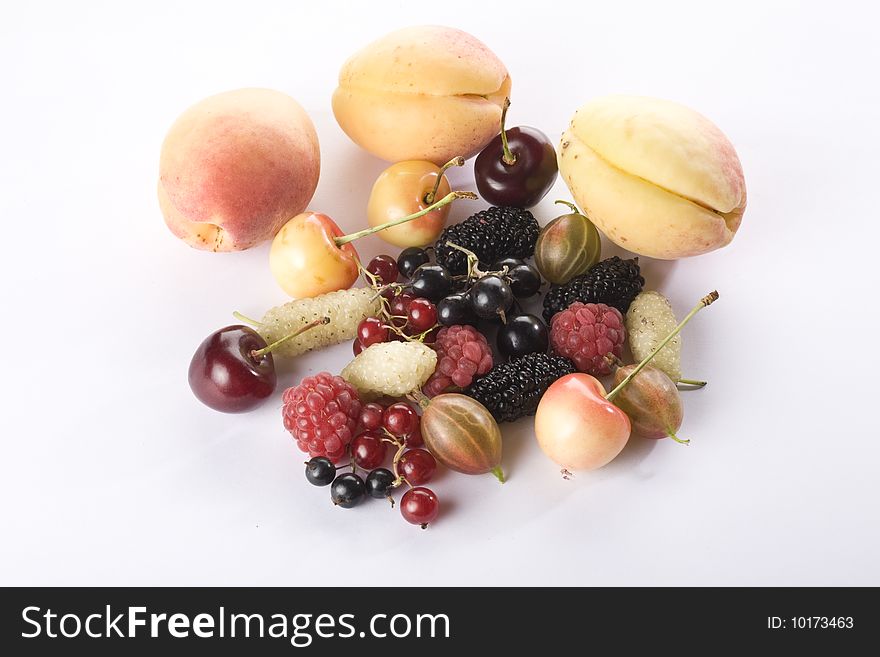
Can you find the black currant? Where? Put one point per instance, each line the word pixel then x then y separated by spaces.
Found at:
pixel 347 490
pixel 490 297
pixel 320 471
pixel 410 259
pixel 379 483
pixel 522 334
pixel 455 309
pixel 525 281
pixel 432 282
pixel 510 263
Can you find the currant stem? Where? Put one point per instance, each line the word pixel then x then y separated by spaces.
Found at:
pixel 705 301
pixel 371 279
pixel 449 198
pixel 472 260
pixel 259 353
pixel 401 445
pixel 571 205
pixel 499 473
pixel 692 382
pixel 454 162
pixel 508 157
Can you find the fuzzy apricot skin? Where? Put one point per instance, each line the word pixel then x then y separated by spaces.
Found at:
pixel 577 427
pixel 656 177
pixel 305 260
pixel 422 93
pixel 235 167
pixel 399 191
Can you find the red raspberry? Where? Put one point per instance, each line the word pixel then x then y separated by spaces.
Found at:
pixel 585 333
pixel 462 355
pixel 321 413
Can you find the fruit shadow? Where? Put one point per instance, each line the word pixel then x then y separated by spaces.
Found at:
pixel 636 450
pixel 519 444
pixel 344 195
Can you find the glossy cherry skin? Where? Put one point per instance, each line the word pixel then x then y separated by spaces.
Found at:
pixel 577 427
pixel 305 259
pixel 401 190
pixel 526 181
pixel 226 377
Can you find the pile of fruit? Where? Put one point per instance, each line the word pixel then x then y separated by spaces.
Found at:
pixel 445 349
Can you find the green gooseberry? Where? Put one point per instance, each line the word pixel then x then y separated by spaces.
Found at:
pixel 567 247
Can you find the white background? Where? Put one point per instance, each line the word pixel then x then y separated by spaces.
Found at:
pixel 112 473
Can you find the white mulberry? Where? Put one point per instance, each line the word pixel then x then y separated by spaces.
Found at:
pixel 648 321
pixel 390 368
pixel 345 308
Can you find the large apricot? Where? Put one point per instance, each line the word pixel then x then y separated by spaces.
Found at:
pixel 655 177
pixel 235 167
pixel 422 93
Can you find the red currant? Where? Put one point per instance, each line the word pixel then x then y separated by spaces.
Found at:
pixel 400 419
pixel 414 439
pixel 368 450
pixel 357 347
pixel 371 416
pixel 384 267
pixel 400 304
pixel 419 506
pixel 417 466
pixel 421 315
pixel 371 331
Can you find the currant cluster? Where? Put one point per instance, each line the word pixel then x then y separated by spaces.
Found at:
pixel 489 295
pixel 405 314
pixel 396 426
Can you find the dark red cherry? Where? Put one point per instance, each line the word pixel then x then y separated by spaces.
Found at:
pixel 517 168
pixel 225 373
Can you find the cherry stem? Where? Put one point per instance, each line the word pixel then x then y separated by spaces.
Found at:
pixel 507 157
pixel 499 473
pixel 705 301
pixel 449 198
pixel 454 162
pixel 259 353
pixel 571 205
pixel 692 382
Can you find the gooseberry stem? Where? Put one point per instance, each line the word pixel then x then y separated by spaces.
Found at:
pixel 419 398
pixel 449 198
pixel 259 353
pixel 705 301
pixel 680 441
pixel 454 162
pixel 499 473
pixel 571 205
pixel 507 157
pixel 692 382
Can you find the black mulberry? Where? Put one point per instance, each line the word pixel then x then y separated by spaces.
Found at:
pixel 491 234
pixel 512 390
pixel 613 281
